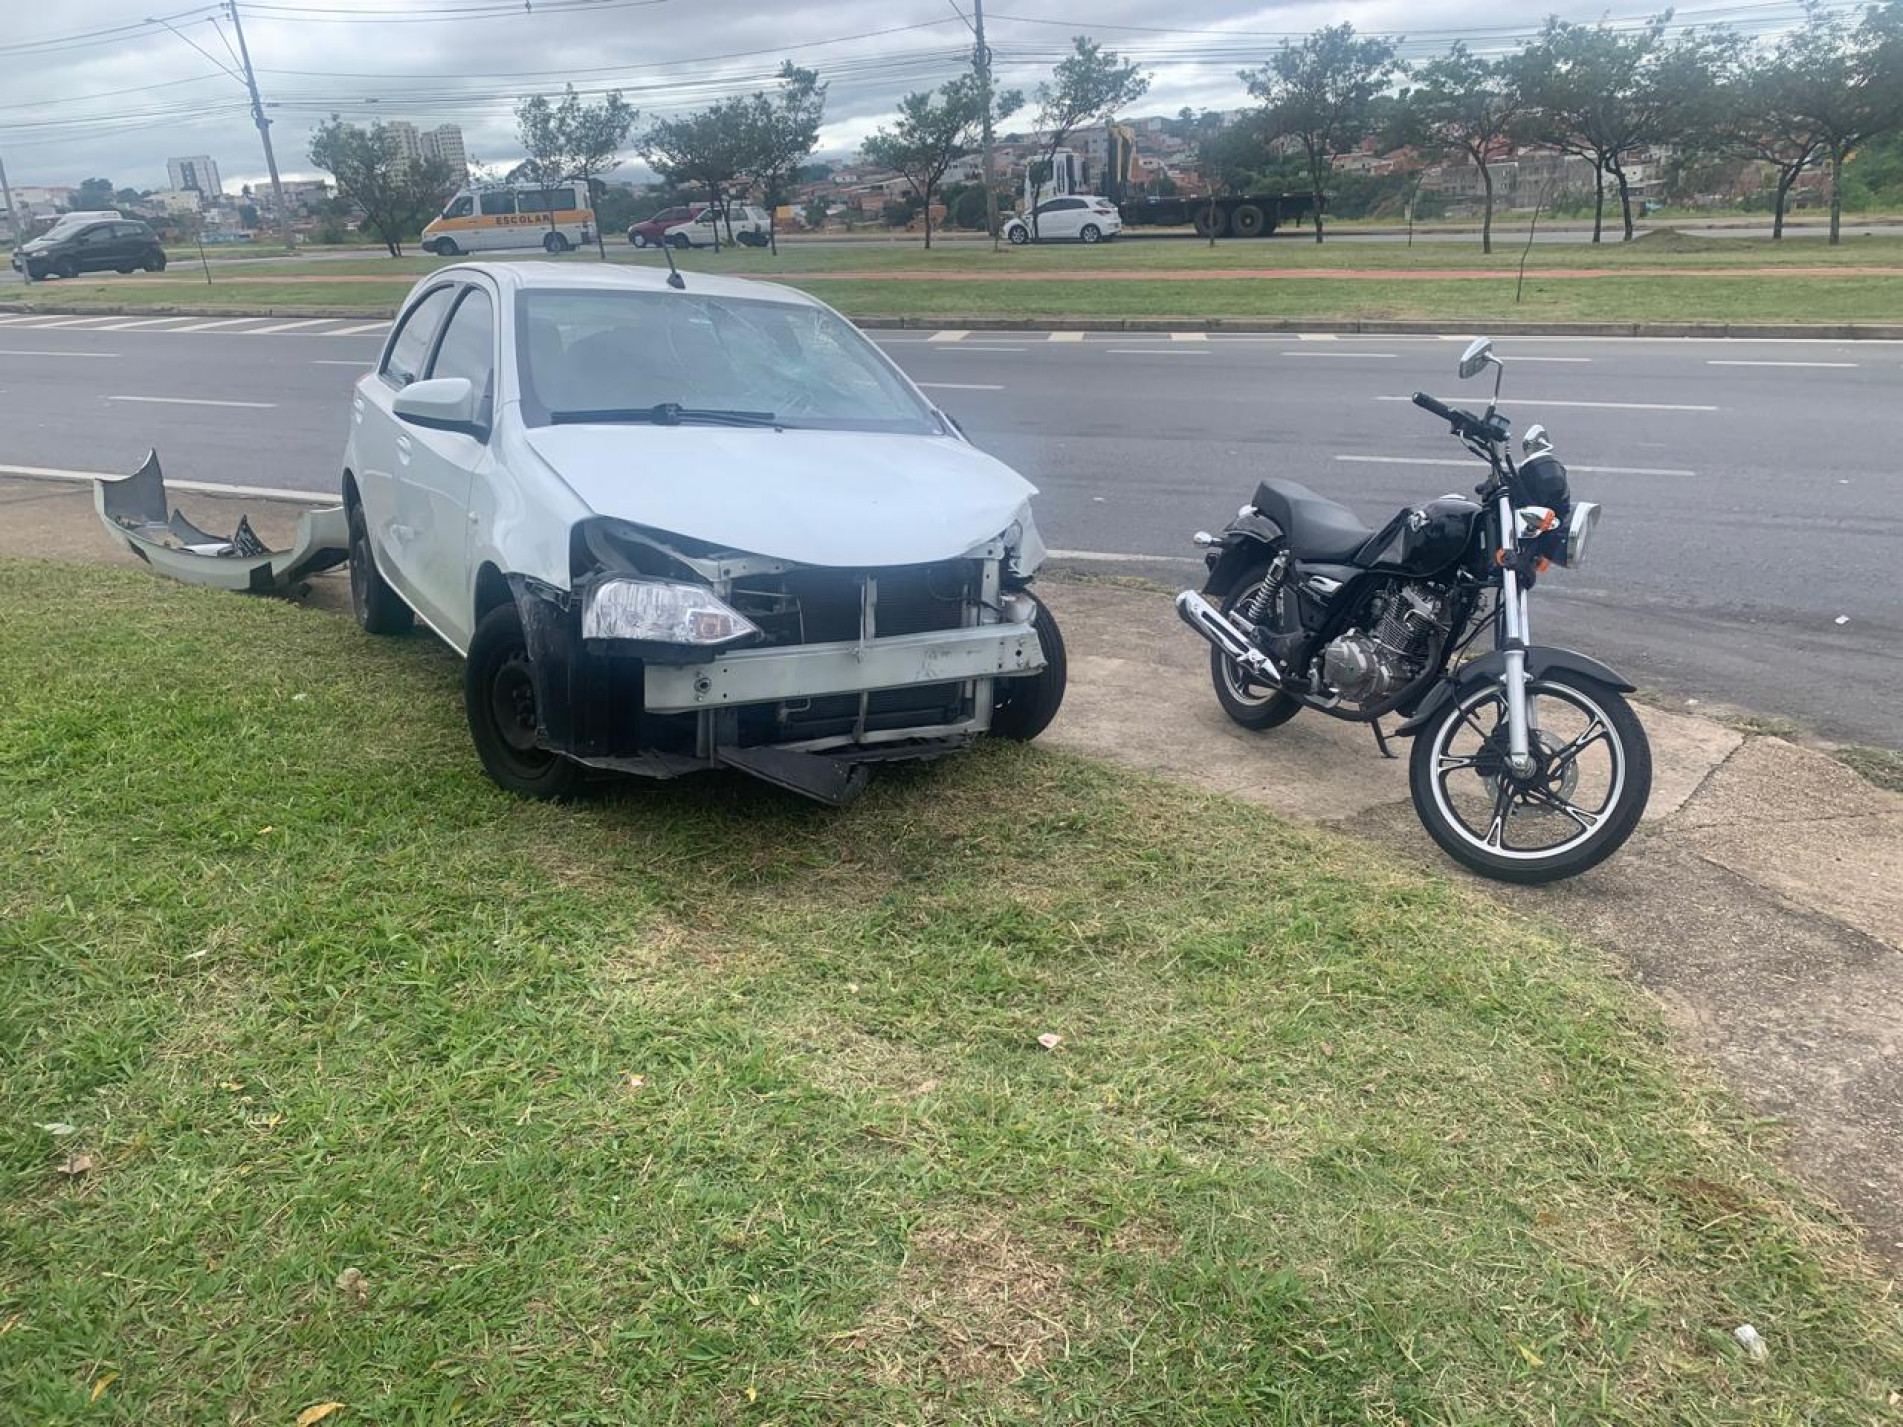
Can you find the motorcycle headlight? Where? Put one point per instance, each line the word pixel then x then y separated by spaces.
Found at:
pixel 1578 531
pixel 661 612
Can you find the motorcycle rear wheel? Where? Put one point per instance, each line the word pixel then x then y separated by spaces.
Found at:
pixel 1588 790
pixel 1253 706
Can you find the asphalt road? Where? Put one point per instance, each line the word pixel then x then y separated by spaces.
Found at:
pixel 1752 489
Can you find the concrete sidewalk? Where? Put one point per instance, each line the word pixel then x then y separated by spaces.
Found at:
pixel 1760 902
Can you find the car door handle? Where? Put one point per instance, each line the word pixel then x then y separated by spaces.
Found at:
pixel 403 449
pixel 356 408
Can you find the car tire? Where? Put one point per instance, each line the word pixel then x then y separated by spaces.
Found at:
pixel 378 608
pixel 639 240
pixel 1089 233
pixel 1023 708
pixel 155 262
pixel 1017 235
pixel 65 267
pixel 499 697
pixel 446 248
pixel 681 240
pixel 555 243
pixel 1246 221
pixel 1209 224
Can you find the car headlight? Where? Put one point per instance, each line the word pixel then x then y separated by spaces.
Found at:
pixel 661 612
pixel 1578 531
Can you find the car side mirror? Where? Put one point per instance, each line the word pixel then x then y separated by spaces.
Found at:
pixel 441 404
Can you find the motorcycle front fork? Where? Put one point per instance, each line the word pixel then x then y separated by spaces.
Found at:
pixel 1522 722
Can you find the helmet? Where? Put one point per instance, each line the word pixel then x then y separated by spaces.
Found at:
pixel 1434 535
pixel 1542 481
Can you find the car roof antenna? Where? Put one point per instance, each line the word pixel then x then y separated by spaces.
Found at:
pixel 674 278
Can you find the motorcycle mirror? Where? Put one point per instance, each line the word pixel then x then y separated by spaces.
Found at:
pixel 1476 358
pixel 1536 442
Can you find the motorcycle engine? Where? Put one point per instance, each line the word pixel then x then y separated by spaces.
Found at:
pixel 1364 667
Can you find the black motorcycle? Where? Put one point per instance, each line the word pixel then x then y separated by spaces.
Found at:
pixel 1528 764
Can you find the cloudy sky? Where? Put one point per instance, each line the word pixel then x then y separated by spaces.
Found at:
pixel 90 88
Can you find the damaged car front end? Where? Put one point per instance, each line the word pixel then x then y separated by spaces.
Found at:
pixel 668 655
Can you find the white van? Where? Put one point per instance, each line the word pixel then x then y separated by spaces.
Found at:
pixel 481 218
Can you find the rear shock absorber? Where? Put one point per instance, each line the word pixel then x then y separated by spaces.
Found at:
pixel 1261 605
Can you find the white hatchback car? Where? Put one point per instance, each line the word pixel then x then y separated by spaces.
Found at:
pixel 1076 218
pixel 675 528
pixel 741 224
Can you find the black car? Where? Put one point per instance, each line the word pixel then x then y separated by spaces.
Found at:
pixel 117 245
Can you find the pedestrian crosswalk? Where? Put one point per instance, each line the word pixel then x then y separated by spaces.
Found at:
pixel 217 326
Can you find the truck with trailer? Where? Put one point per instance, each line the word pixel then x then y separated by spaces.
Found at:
pixel 1252 215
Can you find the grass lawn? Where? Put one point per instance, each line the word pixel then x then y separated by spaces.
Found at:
pixel 865 280
pixel 699 1104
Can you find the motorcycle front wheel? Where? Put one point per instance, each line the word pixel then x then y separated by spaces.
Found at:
pixel 1591 776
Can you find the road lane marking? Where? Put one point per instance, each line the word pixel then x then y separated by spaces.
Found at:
pixel 195 401
pixel 1469 465
pixel 1299 353
pixel 28 352
pixel 1153 352
pixel 289 326
pixel 142 322
pixel 1189 336
pixel 55 473
pixel 958 386
pixel 968 347
pixel 357 362
pixel 1065 336
pixel 1516 357
pixel 73 322
pixel 1713 362
pixel 950 335
pixel 1110 556
pixel 221 322
pixel 1321 337
pixel 355 331
pixel 1596 405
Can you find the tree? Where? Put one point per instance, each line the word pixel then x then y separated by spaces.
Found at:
pixel 934 131
pixel 573 140
pixel 781 130
pixel 816 213
pixel 1600 94
pixel 706 149
pixel 1829 88
pixel 1089 84
pixel 395 194
pixel 94 194
pixel 1321 92
pixel 1463 104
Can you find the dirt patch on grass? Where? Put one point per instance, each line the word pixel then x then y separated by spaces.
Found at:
pixel 848 1061
pixel 974 1304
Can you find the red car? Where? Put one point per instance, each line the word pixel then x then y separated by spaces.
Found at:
pixel 647 233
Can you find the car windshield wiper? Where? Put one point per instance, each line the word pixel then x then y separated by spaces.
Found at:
pixel 667 413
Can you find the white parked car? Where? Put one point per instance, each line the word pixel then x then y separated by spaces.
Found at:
pixel 1077 217
pixel 675 528
pixel 742 223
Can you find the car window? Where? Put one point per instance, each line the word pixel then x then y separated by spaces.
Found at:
pixel 546 200
pixel 599 351
pixel 496 204
pixel 100 234
pixel 461 208
pixel 468 348
pixel 411 347
pixel 130 230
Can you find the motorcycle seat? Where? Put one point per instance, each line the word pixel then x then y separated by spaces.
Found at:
pixel 1316 528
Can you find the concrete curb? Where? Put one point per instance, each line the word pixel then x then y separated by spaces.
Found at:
pixel 1799 331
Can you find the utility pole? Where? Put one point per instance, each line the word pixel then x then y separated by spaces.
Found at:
pixel 264 125
pixel 15 227
pixel 981 61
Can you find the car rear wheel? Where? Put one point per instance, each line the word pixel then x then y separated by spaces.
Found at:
pixel 555 243
pixel 379 609
pixel 499 696
pixel 1089 233
pixel 155 262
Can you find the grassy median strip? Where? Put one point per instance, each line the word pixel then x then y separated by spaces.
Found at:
pixel 331 1074
pixel 1665 277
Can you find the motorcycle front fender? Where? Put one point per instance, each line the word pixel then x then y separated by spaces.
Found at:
pixel 1241 547
pixel 1540 658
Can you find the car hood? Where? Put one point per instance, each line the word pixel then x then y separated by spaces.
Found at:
pixel 850 498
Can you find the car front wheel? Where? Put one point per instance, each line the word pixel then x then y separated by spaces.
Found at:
pixel 640 240
pixel 1018 234
pixel 1023 708
pixel 499 697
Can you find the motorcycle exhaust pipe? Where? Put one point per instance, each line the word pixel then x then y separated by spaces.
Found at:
pixel 1203 617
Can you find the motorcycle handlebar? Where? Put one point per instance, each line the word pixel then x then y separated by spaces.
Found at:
pixel 1441 409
